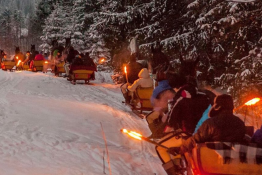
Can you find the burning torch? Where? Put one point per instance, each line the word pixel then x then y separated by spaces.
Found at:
pixel 19 61
pixel 102 60
pixel 138 136
pixel 126 74
pixel 251 103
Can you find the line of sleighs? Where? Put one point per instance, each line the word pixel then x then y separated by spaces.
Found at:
pixel 82 73
pixel 211 158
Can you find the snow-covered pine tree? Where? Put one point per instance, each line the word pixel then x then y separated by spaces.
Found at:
pixel 94 41
pixel 229 31
pixel 78 24
pixel 6 30
pixel 56 25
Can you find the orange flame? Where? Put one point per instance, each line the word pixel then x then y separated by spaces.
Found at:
pixel 252 102
pixel 18 63
pixel 46 62
pixel 16 57
pixel 132 134
pixel 125 69
pixel 102 60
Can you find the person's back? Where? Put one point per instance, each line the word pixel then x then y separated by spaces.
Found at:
pixel 39 57
pixel 77 61
pixel 88 61
pixel 133 69
pixel 225 127
pixel 188 109
pixel 222 126
pixel 144 81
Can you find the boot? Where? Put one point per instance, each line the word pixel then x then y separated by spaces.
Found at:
pixel 127 98
pixel 171 168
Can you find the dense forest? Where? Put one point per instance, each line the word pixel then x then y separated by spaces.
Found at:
pixel 227 36
pixel 15 17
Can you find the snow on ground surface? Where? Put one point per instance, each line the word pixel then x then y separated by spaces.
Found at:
pixel 49 126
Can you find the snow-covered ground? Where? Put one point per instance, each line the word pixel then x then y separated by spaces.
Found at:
pixel 49 126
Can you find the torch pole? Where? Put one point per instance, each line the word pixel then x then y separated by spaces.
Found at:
pixel 245 115
pixel 153 142
pixel 127 78
pixel 150 141
pixel 126 74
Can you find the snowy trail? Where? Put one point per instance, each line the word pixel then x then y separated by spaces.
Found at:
pixel 49 126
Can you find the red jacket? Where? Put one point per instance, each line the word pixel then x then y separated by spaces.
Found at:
pixel 39 57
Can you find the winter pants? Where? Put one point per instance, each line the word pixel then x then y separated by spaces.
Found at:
pixel 168 141
pixel 66 66
pixel 124 89
pixel 125 92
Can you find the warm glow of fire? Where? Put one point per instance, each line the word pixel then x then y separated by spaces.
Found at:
pixel 125 69
pixel 16 57
pixel 102 60
pixel 46 62
pixel 252 102
pixel 18 63
pixel 132 134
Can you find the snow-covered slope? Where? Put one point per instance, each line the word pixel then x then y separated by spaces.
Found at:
pixel 49 127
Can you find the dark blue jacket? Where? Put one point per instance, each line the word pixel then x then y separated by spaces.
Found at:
pixel 257 137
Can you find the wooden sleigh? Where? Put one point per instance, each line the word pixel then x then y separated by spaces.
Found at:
pixel 84 73
pixel 143 96
pixel 224 158
pixel 59 68
pixel 25 67
pixel 37 66
pixel 7 65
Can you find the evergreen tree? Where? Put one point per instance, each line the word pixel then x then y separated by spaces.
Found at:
pixel 78 26
pixel 6 30
pixel 94 40
pixel 55 27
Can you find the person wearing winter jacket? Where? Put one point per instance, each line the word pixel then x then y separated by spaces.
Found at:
pixel 143 81
pixel 222 126
pixel 257 137
pixel 69 59
pixel 58 58
pixel 211 96
pixel 188 107
pixel 88 61
pixel 133 68
pixel 38 57
pixel 162 95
